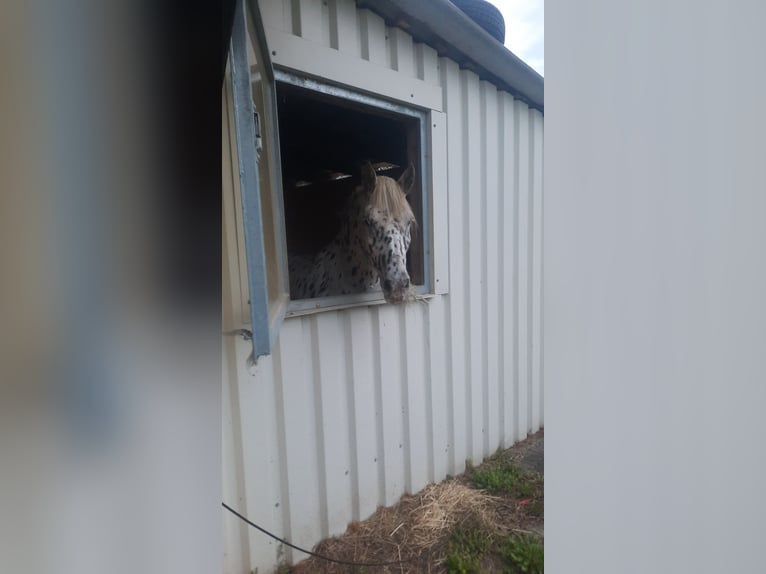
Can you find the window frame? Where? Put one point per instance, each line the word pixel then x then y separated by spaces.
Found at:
pixel 265 316
pixel 305 306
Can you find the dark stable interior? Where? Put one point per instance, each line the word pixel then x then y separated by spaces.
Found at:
pixel 322 137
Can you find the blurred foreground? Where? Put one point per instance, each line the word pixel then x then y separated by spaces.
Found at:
pixel 110 292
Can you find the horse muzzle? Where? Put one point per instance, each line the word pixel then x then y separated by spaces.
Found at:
pixel 396 291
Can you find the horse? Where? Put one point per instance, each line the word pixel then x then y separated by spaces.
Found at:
pixel 370 249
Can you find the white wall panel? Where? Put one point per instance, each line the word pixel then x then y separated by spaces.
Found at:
pixel 372 33
pixel 536 271
pixel 438 399
pixel 261 475
pixel 426 63
pixel 402 52
pixel 437 155
pixel 391 367
pixel 358 406
pixel 491 255
pixel 235 533
pixel 524 280
pixel 344 26
pixel 308 19
pixel 456 317
pixel 508 263
pixel 363 412
pixel 296 380
pixel 473 201
pixel 417 422
pixel 333 429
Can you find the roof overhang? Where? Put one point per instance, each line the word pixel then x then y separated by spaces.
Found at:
pixel 444 27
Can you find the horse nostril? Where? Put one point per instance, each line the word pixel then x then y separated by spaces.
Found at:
pixel 407 282
pixel 387 285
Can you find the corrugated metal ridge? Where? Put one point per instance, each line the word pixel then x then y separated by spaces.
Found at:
pixel 442 25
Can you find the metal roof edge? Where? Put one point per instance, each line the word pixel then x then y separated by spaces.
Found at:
pixel 443 26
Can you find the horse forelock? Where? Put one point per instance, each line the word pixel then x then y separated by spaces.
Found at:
pixel 391 200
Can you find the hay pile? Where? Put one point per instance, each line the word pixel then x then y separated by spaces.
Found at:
pixel 417 530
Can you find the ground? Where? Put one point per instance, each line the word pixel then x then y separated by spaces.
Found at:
pixel 488 520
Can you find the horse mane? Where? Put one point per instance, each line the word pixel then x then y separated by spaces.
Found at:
pixel 389 198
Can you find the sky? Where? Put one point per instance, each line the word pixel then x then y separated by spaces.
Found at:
pixel 524 30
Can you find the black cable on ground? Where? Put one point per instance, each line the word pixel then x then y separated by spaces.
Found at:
pixel 283 541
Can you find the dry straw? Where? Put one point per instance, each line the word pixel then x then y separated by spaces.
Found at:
pixel 416 530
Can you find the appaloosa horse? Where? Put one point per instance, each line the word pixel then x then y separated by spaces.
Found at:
pixel 370 250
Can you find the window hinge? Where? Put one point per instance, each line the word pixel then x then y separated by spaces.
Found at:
pixel 258 141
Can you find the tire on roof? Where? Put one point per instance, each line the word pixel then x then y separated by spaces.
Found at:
pixel 485 15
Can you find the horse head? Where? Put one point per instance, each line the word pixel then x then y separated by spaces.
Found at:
pixel 389 222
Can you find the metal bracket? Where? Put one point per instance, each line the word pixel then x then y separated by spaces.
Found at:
pixel 258 139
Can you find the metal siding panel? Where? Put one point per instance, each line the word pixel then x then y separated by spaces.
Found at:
pixel 312 342
pixel 332 421
pixel 236 551
pixel 536 150
pixel 390 366
pixel 344 27
pixel 379 427
pixel 287 15
pixel 438 399
pixel 456 324
pixel 402 52
pixel 260 451
pixel 293 7
pixel 417 415
pixel 427 64
pixel 388 63
pixel 308 20
pixel 303 524
pixel 327 25
pixel 490 306
pixel 428 397
pixel 472 207
pixel 273 14
pixel 439 201
pixel 508 263
pixel 364 440
pixel 344 69
pixel 372 32
pixel 524 266
pixel 281 435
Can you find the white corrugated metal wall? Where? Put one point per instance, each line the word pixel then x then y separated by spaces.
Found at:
pixel 358 406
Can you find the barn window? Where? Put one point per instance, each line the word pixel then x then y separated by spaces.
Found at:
pixel 326 133
pixel 299 147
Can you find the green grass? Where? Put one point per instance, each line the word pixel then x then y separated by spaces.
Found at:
pixel 470 546
pixel 504 478
pixel 472 549
pixel 524 555
pixel 466 549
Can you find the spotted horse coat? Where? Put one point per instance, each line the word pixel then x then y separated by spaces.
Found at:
pixel 370 250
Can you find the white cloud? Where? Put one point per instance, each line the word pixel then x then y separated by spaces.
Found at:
pixel 525 30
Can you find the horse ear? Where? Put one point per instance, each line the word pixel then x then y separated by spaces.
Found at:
pixel 407 179
pixel 368 176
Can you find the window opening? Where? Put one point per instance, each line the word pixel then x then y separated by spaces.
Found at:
pixel 327 136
